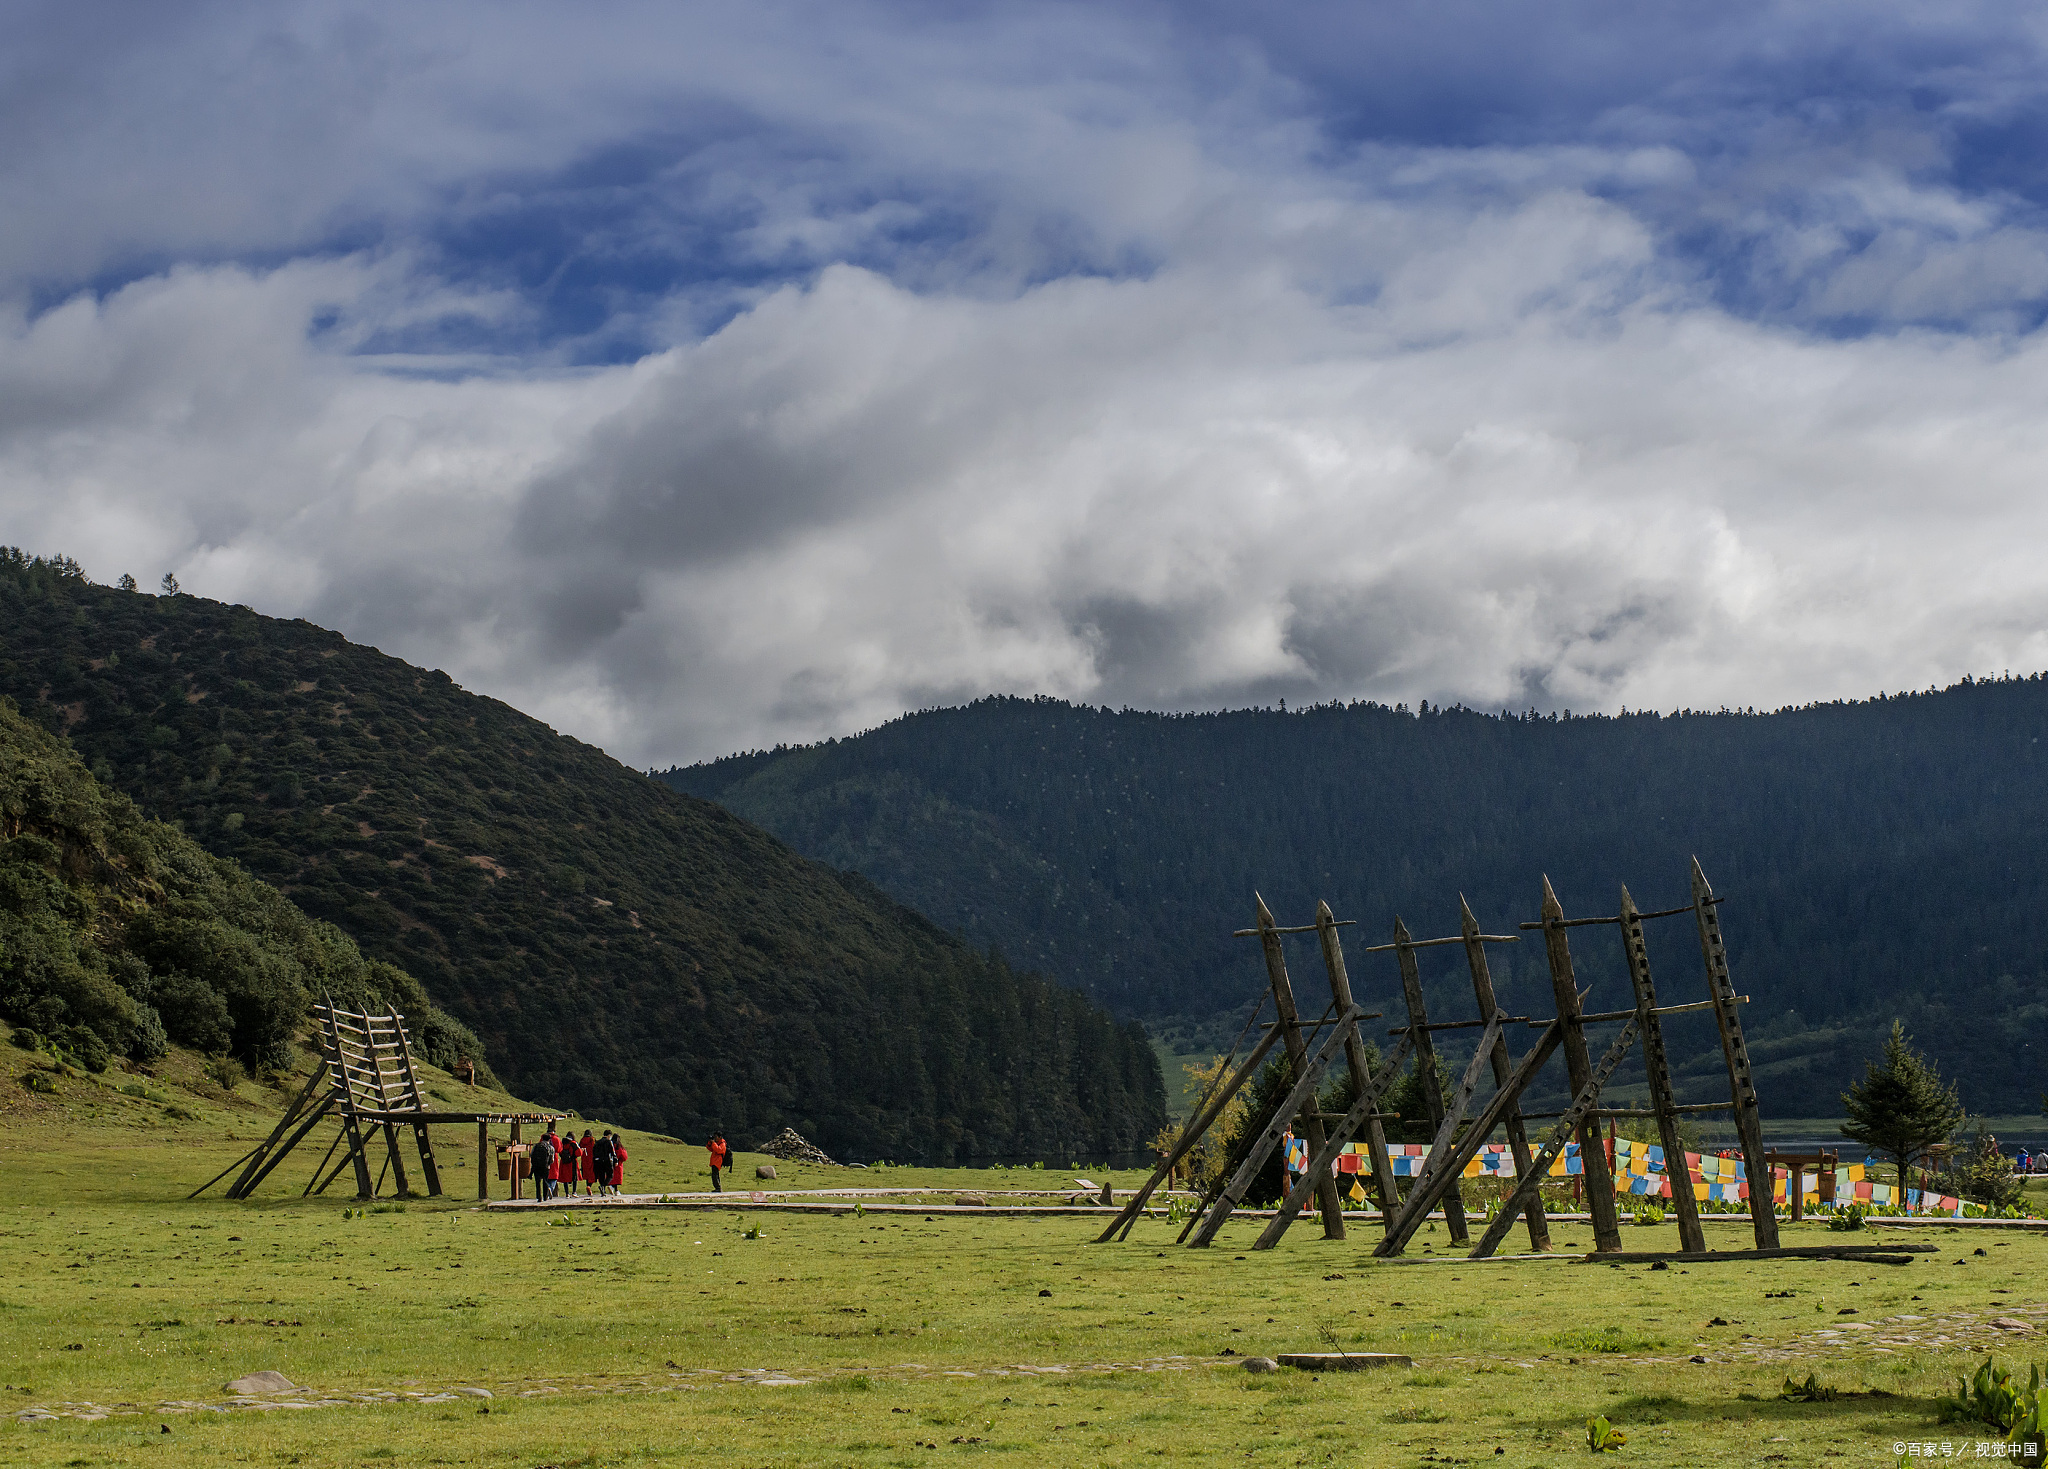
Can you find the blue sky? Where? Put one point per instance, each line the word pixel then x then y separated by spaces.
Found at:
pixel 702 377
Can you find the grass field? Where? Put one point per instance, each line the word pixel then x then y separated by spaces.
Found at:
pixel 632 1337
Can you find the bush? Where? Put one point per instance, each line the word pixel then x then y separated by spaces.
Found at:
pixel 150 1042
pixel 25 1038
pixel 1843 1220
pixel 86 1047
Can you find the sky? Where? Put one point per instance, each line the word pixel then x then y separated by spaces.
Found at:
pixel 701 378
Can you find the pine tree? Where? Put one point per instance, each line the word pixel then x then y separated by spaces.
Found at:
pixel 1902 1107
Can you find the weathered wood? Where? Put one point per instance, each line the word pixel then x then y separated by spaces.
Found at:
pixel 1191 1134
pixel 1484 938
pixel 321 1167
pixel 1425 1061
pixel 1872 1254
pixel 1252 933
pixel 241 1186
pixel 483 1159
pixel 1343 1361
pixel 255 1153
pixel 422 1139
pixel 1741 1087
pixel 1307 1075
pixel 1677 1171
pixel 1359 1062
pixel 1297 1050
pixel 364 1188
pixel 268 1165
pixel 1361 1112
pixel 1579 1066
pixel 1503 1064
pixel 1539 1168
pixel 1436 1184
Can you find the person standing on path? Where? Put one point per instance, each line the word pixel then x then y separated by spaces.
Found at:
pixel 618 1174
pixel 586 1163
pixel 543 1166
pixel 721 1157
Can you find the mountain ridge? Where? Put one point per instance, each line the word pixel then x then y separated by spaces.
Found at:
pixel 621 948
pixel 1878 856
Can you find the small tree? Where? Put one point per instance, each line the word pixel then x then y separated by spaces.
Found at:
pixel 126 583
pixel 1902 1107
pixel 168 586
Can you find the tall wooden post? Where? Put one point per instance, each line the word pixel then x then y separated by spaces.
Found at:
pixel 1657 1066
pixel 1518 1138
pixel 421 1136
pixel 483 1160
pixel 1741 1088
pixel 512 1152
pixel 1579 1065
pixel 1361 1067
pixel 1297 1056
pixel 1425 1062
pixel 354 1128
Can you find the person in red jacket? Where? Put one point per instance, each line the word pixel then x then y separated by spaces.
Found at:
pixel 618 1178
pixel 721 1157
pixel 586 1163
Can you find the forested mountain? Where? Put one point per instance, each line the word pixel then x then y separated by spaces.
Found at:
pixel 619 947
pixel 119 935
pixel 1884 857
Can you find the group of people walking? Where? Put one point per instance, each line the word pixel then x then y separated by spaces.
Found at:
pixel 561 1162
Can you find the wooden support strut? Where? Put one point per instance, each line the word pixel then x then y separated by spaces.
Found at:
pixel 325 1106
pixel 1189 1136
pixel 422 1139
pixel 1579 1065
pixel 1539 1168
pixel 354 1129
pixel 1425 1065
pixel 1742 1089
pixel 1503 1065
pixel 1362 1111
pixel 1307 1074
pixel 1297 1052
pixel 1677 1171
pixel 1426 1192
pixel 1360 1065
pixel 241 1186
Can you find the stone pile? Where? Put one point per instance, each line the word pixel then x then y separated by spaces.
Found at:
pixel 791 1146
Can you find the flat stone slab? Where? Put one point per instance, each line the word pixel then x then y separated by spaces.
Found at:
pixel 1343 1361
pixel 258 1383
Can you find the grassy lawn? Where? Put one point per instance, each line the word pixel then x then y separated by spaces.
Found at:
pixel 632 1337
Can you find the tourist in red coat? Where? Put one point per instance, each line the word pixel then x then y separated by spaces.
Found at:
pixel 586 1163
pixel 618 1178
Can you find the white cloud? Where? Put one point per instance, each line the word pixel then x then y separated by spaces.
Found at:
pixel 1114 373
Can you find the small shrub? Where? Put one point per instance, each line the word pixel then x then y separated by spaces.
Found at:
pixel 1843 1220
pixel 26 1039
pixel 1993 1396
pixel 1813 1390
pixel 39 1081
pixel 1603 1437
pixel 224 1071
pixel 180 1114
pixel 1603 1339
pixel 1649 1214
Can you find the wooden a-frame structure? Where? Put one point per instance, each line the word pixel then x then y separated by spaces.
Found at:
pixel 366 1078
pixel 1458 1132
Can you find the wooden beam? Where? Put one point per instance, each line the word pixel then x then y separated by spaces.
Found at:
pixel 1191 1134
pixel 1306 1077
pixel 1425 1065
pixel 1677 1172
pixel 1503 1065
pixel 1362 1111
pixel 1560 1136
pixel 1436 1183
pixel 422 1139
pixel 1297 1051
pixel 1741 1087
pixel 1873 1254
pixel 364 1188
pixel 241 1186
pixel 1579 1066
pixel 320 1111
pixel 1360 1065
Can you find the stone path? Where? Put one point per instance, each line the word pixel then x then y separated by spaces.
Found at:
pixel 673 1379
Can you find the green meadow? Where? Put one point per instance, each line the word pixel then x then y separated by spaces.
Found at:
pixel 616 1336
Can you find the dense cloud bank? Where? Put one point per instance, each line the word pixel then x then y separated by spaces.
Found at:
pixel 699 379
